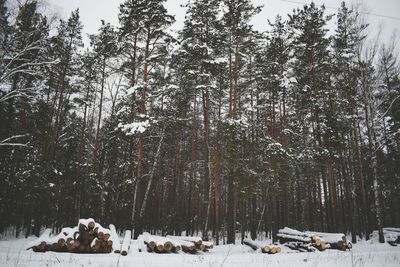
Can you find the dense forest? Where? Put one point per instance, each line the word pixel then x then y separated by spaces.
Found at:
pixel 218 130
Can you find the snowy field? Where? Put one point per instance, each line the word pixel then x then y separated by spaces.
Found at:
pixel 13 253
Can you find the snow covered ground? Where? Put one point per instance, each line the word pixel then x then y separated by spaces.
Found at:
pixel 13 253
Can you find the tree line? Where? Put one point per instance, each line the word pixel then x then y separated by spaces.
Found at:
pixel 219 130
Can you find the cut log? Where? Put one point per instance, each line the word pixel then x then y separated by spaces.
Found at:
pixel 176 248
pixel 168 246
pixel 149 242
pixel 253 244
pixel 187 246
pixel 40 244
pixel 151 245
pixel 114 237
pixel 159 248
pixel 126 243
pixel 91 225
pixel 194 239
pixel 208 245
pixel 271 249
pixel 284 238
pixel 300 246
pixel 335 240
pixel 158 244
pixel 291 235
pixel 86 223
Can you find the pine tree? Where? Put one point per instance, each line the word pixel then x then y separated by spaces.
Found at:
pixel 389 117
pixel 311 71
pixel 367 89
pixel 199 38
pixel 274 65
pixel 65 85
pixel 145 21
pixel 236 23
pixel 23 60
pixel 347 41
pixel 105 47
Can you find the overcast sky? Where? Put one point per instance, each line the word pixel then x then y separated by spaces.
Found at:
pixel 92 11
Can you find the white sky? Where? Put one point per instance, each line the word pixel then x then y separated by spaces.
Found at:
pixel 92 11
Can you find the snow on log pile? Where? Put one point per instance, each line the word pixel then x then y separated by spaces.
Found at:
pixel 116 247
pixel 187 243
pixel 87 237
pixel 40 244
pixel 333 240
pixel 160 244
pixel 309 241
pixel 270 249
pixel 392 235
pixel 174 244
pixel 126 243
pixel 191 244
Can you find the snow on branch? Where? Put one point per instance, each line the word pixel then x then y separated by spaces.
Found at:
pixel 135 127
pixel 7 141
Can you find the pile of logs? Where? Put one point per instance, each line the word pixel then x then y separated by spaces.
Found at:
pixel 87 237
pixel 270 249
pixel 392 235
pixel 312 241
pixel 174 244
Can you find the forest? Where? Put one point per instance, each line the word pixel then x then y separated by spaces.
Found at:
pixel 218 130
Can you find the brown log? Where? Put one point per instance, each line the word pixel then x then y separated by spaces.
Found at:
pixel 72 245
pixel 106 236
pixel 301 246
pixel 189 249
pixel 168 246
pixel 91 225
pixel 251 244
pixel 150 245
pixel 340 245
pixel 100 234
pixel 176 248
pixel 82 228
pixel 61 242
pixel 97 245
pixel 198 244
pixel 42 246
pixel 54 247
pixel 159 248
pixel 266 249
pixel 208 245
pixel 335 240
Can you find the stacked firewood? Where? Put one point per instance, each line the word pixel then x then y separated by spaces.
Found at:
pixel 312 241
pixel 87 237
pixel 300 240
pixel 264 248
pixel 333 240
pixel 174 244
